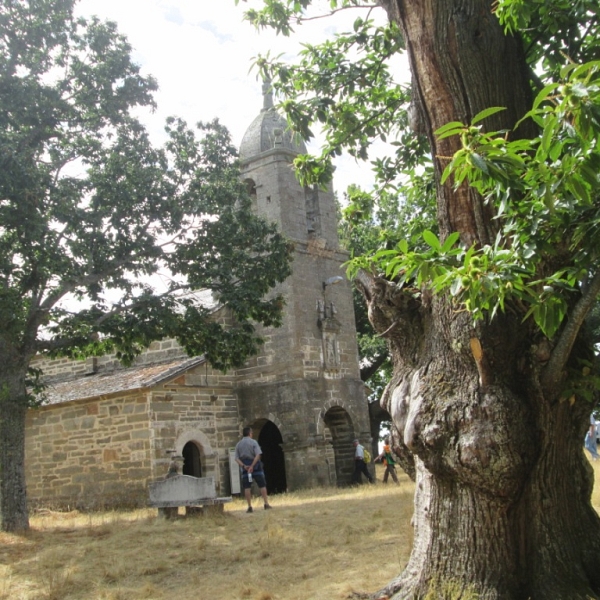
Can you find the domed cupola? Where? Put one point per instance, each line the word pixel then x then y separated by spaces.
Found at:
pixel 269 131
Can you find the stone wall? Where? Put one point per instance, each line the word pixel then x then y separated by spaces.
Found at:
pixel 103 452
pixel 198 407
pixel 317 452
pixel 89 454
pixel 64 367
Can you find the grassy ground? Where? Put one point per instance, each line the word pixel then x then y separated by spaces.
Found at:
pixel 314 545
pixel 318 544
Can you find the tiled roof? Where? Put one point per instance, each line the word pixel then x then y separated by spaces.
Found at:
pixel 118 380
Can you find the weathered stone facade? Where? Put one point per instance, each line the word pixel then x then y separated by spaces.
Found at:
pixel 103 448
pixel 106 431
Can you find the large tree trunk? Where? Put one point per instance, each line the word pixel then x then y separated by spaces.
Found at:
pixel 13 409
pixel 502 504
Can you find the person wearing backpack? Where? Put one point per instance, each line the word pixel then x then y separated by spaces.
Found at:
pixel 388 460
pixel 360 466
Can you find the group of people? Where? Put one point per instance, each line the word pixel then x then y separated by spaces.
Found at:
pixel 360 465
pixel 248 455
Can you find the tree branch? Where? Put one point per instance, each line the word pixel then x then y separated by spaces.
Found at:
pixel 369 370
pixel 301 20
pixel 57 344
pixel 553 371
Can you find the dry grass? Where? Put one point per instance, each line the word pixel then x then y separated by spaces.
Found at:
pixel 596 493
pixel 315 545
pixel 322 544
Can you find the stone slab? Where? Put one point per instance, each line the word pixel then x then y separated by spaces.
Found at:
pixel 181 490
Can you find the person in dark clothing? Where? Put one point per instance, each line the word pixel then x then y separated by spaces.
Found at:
pixel 360 467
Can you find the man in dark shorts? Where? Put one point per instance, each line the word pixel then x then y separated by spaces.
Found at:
pixel 360 466
pixel 247 455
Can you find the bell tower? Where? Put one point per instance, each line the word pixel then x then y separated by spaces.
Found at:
pixel 306 379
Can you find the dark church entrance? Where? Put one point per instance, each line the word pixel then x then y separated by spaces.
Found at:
pixel 342 433
pixel 270 440
pixel 191 460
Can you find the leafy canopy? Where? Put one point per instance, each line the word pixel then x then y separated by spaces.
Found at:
pixel 544 263
pixel 105 238
pixel 545 192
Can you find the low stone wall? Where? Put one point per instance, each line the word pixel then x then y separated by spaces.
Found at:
pixel 89 454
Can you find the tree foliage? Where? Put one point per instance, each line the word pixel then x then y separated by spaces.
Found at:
pixel 544 190
pixel 345 87
pixel 373 220
pixel 105 238
pixel 484 309
pixel 91 210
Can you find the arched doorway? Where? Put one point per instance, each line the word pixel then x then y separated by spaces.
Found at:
pixel 270 440
pixel 192 463
pixel 341 430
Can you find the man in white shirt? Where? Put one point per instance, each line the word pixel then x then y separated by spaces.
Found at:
pixel 359 464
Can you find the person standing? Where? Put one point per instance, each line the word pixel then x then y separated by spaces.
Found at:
pixel 360 467
pixel 590 439
pixel 388 460
pixel 247 456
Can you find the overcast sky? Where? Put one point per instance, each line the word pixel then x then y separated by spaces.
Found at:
pixel 201 51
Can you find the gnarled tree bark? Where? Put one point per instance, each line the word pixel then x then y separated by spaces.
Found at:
pixel 502 504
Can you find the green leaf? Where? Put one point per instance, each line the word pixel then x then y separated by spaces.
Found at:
pixel 456 286
pixel 543 94
pixel 564 71
pixel 449 242
pixel 479 162
pixel 488 112
pixel 447 172
pixel 432 240
pixel 451 128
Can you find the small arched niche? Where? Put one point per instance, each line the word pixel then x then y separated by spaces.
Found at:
pixel 192 459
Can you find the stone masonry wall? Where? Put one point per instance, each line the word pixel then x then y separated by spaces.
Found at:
pixel 299 409
pixel 198 407
pixel 103 452
pixel 89 454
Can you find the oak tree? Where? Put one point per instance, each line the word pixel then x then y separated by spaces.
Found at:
pixel 105 238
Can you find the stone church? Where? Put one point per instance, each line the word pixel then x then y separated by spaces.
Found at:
pixel 106 432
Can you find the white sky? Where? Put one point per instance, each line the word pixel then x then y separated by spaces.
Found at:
pixel 201 51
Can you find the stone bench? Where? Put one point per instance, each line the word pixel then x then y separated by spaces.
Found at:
pixel 196 494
